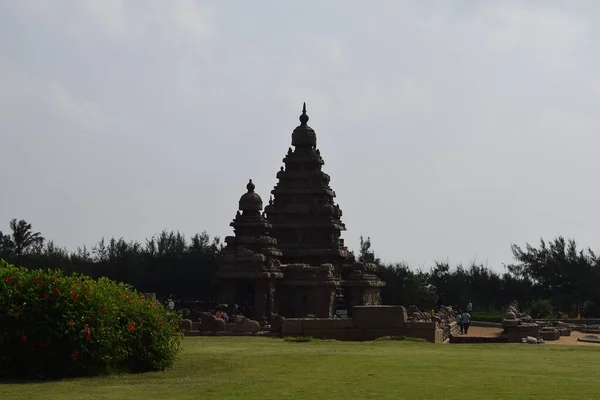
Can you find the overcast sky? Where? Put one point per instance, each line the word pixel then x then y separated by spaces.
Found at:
pixel 450 129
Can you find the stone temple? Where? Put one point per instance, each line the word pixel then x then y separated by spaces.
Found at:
pixel 290 259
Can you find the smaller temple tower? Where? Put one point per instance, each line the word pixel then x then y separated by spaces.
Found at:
pixel 250 266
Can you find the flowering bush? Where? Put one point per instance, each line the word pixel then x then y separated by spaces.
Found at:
pixel 52 325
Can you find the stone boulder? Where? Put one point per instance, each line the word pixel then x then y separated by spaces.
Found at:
pixel 186 325
pixel 210 323
pixel 531 340
pixel 243 324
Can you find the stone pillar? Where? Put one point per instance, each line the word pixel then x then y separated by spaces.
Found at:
pixel 270 298
pixel 260 301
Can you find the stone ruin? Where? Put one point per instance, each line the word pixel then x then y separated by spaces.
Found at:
pixel 209 324
pixel 518 326
pixel 445 319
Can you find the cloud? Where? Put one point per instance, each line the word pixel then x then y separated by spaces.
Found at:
pixel 25 95
pixel 552 35
pixel 127 23
pixel 109 15
pixel 337 86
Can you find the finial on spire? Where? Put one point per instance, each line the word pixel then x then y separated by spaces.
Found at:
pixel 250 186
pixel 303 117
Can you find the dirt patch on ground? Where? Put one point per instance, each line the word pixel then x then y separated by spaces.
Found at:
pixel 480 331
pixel 564 340
pixel 572 340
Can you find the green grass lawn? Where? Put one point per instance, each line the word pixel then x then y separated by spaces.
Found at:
pixel 262 368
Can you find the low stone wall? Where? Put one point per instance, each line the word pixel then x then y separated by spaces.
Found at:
pixel 583 321
pixel 367 323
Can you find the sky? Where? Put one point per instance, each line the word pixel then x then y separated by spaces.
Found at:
pixel 450 129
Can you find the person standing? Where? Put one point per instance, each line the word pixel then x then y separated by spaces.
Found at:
pixel 470 307
pixel 466 321
pixel 459 322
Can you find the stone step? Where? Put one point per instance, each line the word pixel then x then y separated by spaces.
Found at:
pixel 478 339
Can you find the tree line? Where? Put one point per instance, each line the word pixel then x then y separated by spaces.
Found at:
pixel 555 276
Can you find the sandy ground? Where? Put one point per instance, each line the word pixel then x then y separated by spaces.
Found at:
pixel 564 340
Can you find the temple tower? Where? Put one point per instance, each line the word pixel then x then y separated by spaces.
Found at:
pixel 250 267
pixel 306 221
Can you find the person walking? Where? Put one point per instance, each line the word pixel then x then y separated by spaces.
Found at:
pixel 470 307
pixel 459 322
pixel 466 321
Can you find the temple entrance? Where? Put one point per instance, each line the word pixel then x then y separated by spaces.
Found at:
pixel 244 297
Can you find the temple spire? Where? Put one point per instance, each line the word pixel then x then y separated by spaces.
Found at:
pixel 303 117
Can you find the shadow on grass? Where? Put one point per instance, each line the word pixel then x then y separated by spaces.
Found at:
pixel 6 379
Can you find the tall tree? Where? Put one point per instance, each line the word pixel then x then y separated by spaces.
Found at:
pixel 366 254
pixel 564 274
pixel 6 246
pixel 23 237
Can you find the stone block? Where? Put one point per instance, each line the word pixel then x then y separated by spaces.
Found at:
pixel 564 331
pixel 550 334
pixel 326 323
pixel 372 334
pixel 421 325
pixel 431 335
pixel 377 317
pixel 292 327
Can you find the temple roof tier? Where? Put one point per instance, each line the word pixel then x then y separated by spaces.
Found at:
pixel 298 158
pixel 278 190
pixel 250 201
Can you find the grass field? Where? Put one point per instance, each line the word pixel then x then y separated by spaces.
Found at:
pixel 262 368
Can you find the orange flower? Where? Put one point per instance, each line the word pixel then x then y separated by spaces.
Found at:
pixel 75 297
pixel 71 322
pixel 9 280
pixel 74 355
pixel 131 327
pixel 53 280
pixel 160 323
pixel 105 309
pixel 181 336
pixel 143 297
pixel 41 283
pixel 56 290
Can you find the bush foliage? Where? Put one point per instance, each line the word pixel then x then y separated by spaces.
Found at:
pixel 53 325
pixel 541 309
